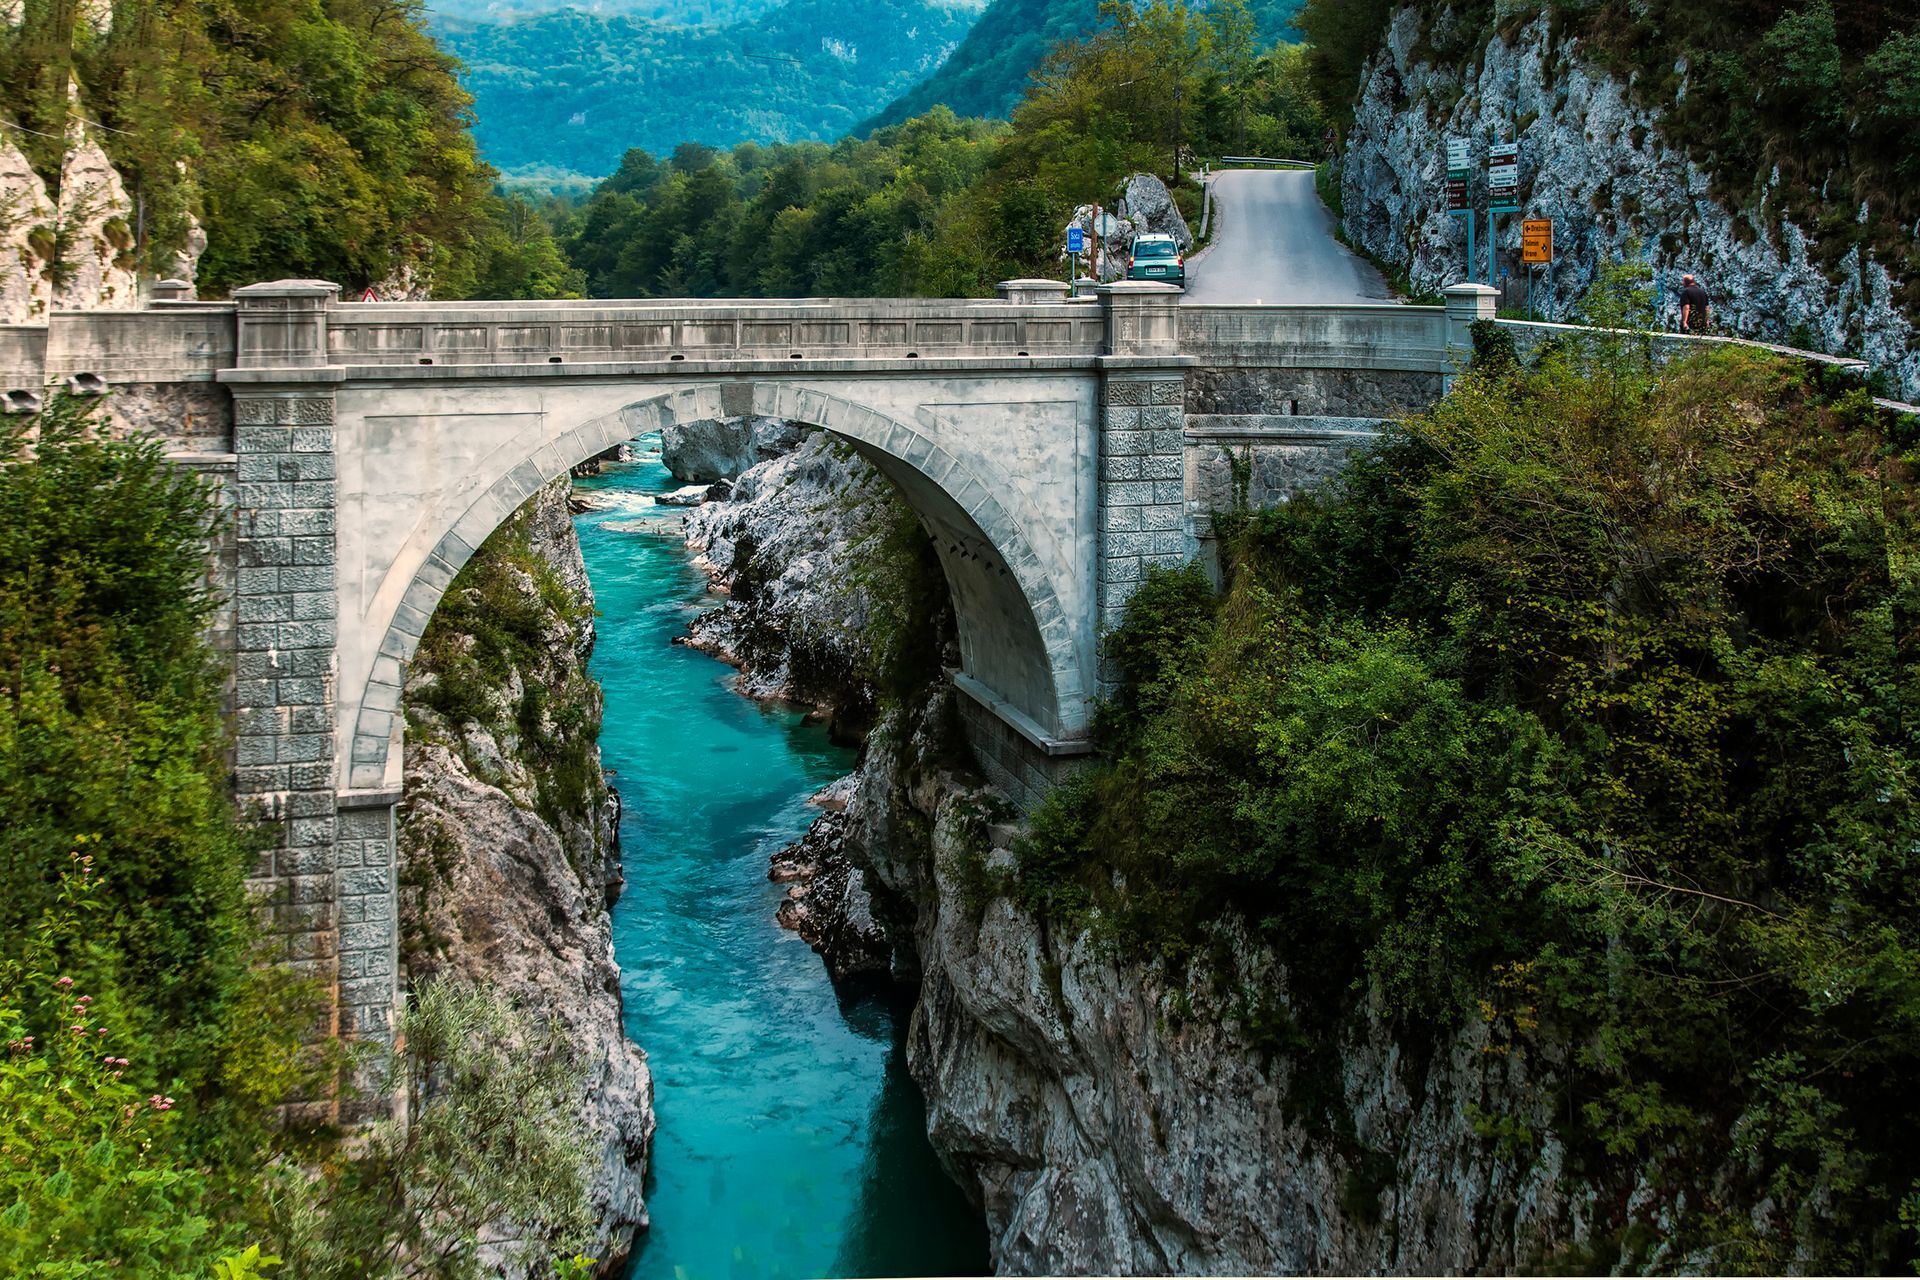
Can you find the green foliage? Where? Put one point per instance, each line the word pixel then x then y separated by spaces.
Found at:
pixel 1342 35
pixel 991 70
pixel 311 138
pixel 516 256
pixel 110 734
pixel 492 1137
pixel 941 206
pixel 95 1177
pixel 1582 709
pixel 911 610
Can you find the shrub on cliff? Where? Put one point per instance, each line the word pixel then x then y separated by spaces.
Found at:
pixel 111 739
pixel 1583 708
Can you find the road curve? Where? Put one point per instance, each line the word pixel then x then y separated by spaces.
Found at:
pixel 1273 243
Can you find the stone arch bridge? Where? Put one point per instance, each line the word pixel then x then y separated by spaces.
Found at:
pixel 1054 449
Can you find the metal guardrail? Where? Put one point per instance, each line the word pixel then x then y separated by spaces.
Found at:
pixel 1296 164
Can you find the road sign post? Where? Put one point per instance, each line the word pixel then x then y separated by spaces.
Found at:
pixel 1459 191
pixel 1076 245
pixel 1503 194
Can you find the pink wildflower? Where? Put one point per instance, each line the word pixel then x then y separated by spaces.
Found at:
pixel 63 983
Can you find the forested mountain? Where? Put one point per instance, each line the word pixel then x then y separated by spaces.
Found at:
pixel 571 91
pixel 987 75
pixel 941 206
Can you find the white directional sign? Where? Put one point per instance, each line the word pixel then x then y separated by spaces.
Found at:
pixel 1503 175
pixel 1459 155
pixel 1503 153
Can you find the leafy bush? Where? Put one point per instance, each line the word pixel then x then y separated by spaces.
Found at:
pixel 95 1177
pixel 1598 675
pixel 491 1138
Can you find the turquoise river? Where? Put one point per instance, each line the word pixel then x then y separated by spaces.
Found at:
pixel 792 1141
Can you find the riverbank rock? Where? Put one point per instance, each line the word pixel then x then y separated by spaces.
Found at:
pixel 721 448
pixel 1115 1116
pixel 691 495
pixel 827 902
pixel 788 548
pixel 508 834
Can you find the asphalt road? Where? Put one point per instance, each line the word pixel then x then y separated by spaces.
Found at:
pixel 1273 243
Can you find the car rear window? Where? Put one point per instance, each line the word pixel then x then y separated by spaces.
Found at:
pixel 1154 249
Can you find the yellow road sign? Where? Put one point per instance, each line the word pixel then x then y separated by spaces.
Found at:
pixel 1536 240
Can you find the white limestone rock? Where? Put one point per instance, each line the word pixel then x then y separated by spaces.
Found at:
pixel 494 893
pixel 722 448
pixel 97 214
pixel 1599 165
pixel 26 219
pixel 691 495
pixel 786 547
pixel 1148 205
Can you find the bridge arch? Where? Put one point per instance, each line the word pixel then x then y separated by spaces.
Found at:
pixel 1017 638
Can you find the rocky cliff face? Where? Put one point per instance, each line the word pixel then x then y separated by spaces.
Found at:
pixel 1108 1114
pixel 508 833
pixel 1115 1117
pixel 789 549
pixel 1599 166
pixel 71 245
pixel 710 451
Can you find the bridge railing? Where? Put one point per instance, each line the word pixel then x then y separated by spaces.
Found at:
pixel 1369 336
pixel 385 333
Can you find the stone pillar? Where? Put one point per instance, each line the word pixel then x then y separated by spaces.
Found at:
pixel 365 867
pixel 1142 486
pixel 284 638
pixel 1142 482
pixel 1466 303
pixel 283 324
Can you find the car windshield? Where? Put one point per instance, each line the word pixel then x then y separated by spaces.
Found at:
pixel 1154 249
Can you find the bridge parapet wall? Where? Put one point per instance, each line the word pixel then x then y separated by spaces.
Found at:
pixel 382 333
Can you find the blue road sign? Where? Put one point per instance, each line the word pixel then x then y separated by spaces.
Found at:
pixel 1076 240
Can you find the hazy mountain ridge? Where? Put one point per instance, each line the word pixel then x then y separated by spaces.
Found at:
pixel 572 90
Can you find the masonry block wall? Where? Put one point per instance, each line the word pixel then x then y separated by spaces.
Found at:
pixel 1142 487
pixel 284 645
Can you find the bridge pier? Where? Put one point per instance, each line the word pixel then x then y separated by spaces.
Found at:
pixel 327 879
pixel 1141 485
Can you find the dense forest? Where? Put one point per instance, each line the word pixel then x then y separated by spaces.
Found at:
pixel 1582 711
pixel 332 138
pixel 566 93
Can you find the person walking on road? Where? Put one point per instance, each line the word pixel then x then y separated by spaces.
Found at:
pixel 1693 306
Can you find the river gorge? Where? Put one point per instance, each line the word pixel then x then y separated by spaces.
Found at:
pixel 791 1140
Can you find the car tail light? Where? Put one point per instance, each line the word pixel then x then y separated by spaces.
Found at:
pixel 1129 261
pixel 1179 259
